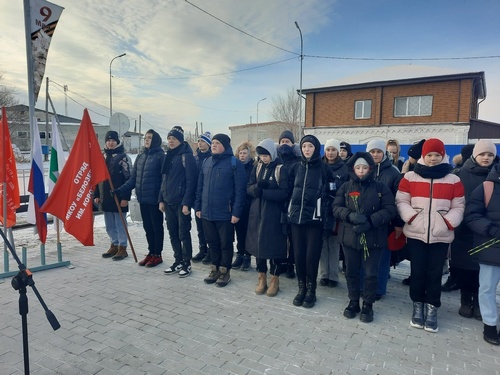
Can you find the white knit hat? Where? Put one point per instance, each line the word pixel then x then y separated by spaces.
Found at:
pixel 332 143
pixel 361 161
pixel 376 143
pixel 484 145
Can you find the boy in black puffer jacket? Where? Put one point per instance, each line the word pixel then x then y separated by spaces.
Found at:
pixel 365 207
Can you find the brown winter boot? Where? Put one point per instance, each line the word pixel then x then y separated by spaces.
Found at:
pixel 213 275
pixel 224 277
pixel 121 254
pixel 261 284
pixel 113 249
pixel 274 286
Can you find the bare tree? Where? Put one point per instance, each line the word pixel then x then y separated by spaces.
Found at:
pixel 7 95
pixel 286 109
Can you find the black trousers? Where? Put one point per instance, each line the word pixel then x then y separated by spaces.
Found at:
pixel 152 222
pixel 241 228
pixel 179 230
pixel 307 242
pixel 354 259
pixel 276 266
pixel 468 280
pixel 219 236
pixel 202 243
pixel 427 262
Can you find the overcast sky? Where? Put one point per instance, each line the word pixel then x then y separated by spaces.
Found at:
pixel 184 66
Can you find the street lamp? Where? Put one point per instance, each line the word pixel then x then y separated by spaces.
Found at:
pixel 258 117
pixel 110 89
pixel 300 89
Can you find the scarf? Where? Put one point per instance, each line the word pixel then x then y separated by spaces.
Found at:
pixel 436 171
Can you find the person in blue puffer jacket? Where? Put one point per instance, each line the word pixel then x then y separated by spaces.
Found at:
pixel 220 200
pixel 146 179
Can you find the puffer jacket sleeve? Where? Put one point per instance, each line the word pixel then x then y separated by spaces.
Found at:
pixel 191 181
pixel 475 213
pixel 199 187
pixel 403 199
pixel 240 191
pixel 387 207
pixel 340 209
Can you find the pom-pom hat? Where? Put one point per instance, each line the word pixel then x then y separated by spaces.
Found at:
pixel 206 137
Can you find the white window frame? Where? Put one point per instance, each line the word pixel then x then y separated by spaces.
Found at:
pixel 22 134
pixel 363 104
pixel 407 105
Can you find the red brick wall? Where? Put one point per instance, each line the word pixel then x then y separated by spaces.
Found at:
pixel 451 103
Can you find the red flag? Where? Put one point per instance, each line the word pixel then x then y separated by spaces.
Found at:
pixel 8 174
pixel 71 199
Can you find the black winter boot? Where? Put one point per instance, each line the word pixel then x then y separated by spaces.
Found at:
pixel 490 335
pixel 465 304
pixel 476 310
pixel 366 315
pixel 299 298
pixel 201 254
pixel 237 262
pixel 310 298
pixel 352 309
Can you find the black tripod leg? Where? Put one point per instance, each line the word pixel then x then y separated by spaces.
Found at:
pixel 23 311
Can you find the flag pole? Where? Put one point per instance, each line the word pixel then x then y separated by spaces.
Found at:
pixel 123 219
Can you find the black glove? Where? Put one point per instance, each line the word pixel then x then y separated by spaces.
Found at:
pixel 356 218
pixel 495 231
pixel 257 192
pixel 263 184
pixel 362 228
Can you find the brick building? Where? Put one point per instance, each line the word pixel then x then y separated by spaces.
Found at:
pixel 407 108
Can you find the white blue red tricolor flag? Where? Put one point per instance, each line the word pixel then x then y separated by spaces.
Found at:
pixel 37 187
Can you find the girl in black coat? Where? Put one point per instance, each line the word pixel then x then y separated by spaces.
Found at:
pixel 268 185
pixel 311 179
pixel 329 261
pixel 484 220
pixel 365 206
pixel 465 267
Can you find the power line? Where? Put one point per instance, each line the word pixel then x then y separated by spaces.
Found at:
pixel 215 74
pixel 241 31
pixel 80 104
pixel 402 59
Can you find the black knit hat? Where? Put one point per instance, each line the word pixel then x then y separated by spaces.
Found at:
pixel 223 139
pixel 288 135
pixel 415 151
pixel 178 133
pixel 111 134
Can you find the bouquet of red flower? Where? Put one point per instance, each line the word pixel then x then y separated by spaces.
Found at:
pixel 362 239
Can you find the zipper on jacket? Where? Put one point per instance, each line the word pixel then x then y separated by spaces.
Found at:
pixel 303 193
pixel 430 205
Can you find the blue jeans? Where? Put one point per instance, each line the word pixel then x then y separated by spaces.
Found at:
pixel 115 229
pixel 489 277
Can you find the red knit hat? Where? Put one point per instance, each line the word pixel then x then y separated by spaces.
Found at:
pixel 433 145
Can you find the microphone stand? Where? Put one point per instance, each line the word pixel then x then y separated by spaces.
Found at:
pixel 19 282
